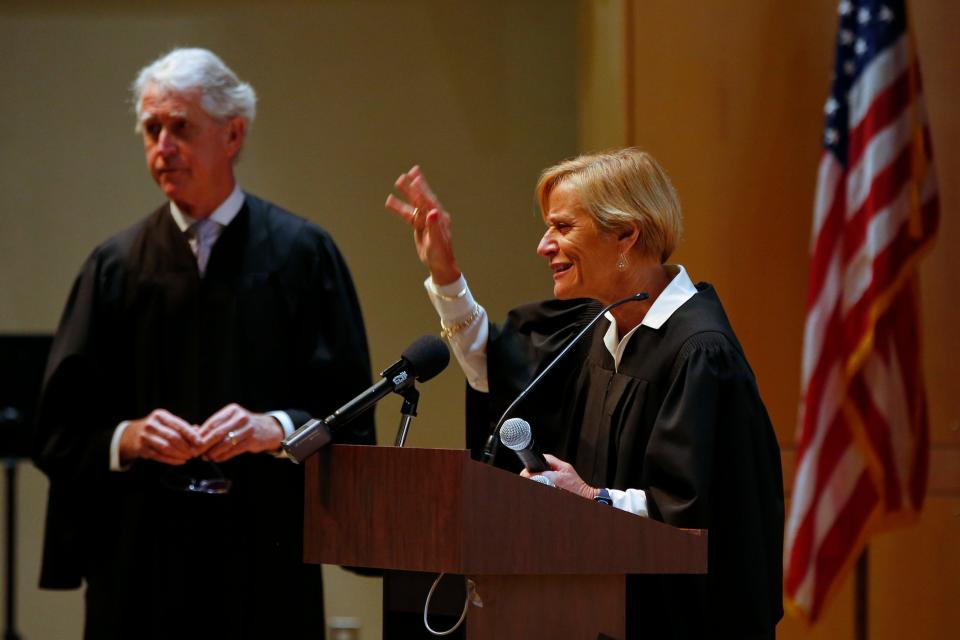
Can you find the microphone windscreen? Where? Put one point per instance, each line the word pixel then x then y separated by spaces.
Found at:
pixel 516 434
pixel 427 356
pixel 543 480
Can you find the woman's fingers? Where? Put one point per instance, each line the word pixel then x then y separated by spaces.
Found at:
pixel 418 206
pixel 413 186
pixel 401 208
pixel 424 195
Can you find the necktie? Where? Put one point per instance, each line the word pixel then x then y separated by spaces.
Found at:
pixel 203 233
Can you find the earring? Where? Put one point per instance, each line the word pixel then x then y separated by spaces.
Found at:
pixel 622 263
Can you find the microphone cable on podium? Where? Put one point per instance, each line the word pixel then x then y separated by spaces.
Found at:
pixel 471 597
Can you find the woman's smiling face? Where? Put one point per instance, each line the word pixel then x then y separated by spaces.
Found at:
pixel 582 256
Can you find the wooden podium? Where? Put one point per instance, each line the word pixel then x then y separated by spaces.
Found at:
pixel 546 563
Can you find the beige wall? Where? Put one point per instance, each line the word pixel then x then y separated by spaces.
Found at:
pixel 482 94
pixel 729 95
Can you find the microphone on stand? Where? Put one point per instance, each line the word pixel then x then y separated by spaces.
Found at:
pixel 490 448
pixel 422 360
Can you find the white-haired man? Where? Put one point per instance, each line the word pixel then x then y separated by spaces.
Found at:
pixel 191 343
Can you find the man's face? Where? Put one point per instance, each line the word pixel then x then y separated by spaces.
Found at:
pixel 189 153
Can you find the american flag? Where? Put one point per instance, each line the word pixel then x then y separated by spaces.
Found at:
pixel 862 441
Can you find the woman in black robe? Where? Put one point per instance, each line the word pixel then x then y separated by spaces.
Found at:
pixel 655 411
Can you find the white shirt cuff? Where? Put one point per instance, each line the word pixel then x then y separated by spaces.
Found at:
pixel 285 422
pixel 115 447
pixel 632 500
pixel 287 425
pixel 454 303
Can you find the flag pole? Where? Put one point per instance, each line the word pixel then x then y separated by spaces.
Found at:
pixel 861 613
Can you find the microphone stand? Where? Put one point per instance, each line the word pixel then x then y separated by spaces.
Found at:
pixel 10 604
pixel 490 448
pixel 407 412
pixel 14 434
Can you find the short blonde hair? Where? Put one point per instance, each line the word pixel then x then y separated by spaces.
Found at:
pixel 618 188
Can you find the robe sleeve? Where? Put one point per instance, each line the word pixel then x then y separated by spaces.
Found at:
pixel 331 332
pixel 532 336
pixel 712 462
pixel 711 395
pixel 75 422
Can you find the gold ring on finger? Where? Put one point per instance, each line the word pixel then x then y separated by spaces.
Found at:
pixel 232 437
pixel 416 212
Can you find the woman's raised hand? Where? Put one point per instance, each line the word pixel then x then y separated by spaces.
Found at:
pixel 419 208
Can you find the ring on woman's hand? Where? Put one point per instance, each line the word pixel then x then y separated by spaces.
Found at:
pixel 232 437
pixel 416 212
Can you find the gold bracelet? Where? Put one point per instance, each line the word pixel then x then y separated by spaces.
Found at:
pixel 452 330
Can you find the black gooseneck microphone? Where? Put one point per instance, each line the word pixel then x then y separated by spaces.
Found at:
pixel 422 360
pixel 490 448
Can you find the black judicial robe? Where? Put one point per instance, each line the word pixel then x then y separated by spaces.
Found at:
pixel 683 420
pixel 274 325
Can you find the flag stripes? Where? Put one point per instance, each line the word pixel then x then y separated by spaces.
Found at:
pixel 862 435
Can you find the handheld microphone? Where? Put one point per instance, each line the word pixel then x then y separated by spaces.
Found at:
pixel 490 448
pixel 422 360
pixel 516 435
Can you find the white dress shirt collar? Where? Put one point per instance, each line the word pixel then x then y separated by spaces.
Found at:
pixel 222 215
pixel 680 289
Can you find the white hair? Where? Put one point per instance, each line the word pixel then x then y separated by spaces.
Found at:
pixel 182 70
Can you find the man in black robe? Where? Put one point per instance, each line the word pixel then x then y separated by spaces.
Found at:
pixel 191 344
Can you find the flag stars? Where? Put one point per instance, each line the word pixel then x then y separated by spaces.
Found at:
pixel 861 47
pixel 886 15
pixel 849 67
pixel 846 37
pixel 863 16
pixel 831 106
pixel 845 7
pixel 831 137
